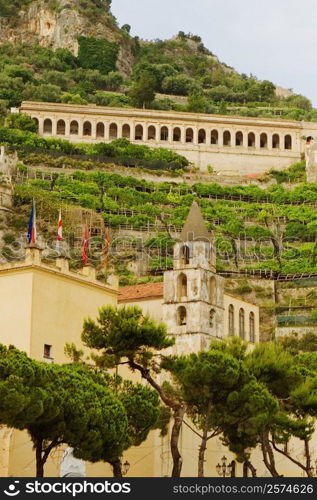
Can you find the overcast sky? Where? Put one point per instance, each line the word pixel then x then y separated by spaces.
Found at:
pixel 272 39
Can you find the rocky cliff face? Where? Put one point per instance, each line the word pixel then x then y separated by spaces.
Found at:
pixel 59 27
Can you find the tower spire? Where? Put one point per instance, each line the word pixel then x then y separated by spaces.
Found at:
pixel 195 228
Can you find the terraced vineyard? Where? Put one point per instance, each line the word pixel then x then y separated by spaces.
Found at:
pixel 272 229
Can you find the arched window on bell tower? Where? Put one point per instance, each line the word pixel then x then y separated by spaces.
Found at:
pixel 181 287
pixel 231 320
pixel 241 323
pixel 181 316
pixel 184 255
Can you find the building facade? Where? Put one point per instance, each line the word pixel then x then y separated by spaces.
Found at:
pixel 228 144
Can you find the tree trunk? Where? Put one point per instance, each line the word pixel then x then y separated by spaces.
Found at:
pixel 178 412
pixel 116 468
pixel 251 468
pixel 268 455
pixel 39 459
pixel 203 444
pixel 177 425
pixel 308 459
pixel 201 456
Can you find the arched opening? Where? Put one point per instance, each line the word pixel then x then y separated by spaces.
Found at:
pixel 189 135
pixel 73 129
pixel 113 131
pixel 212 290
pixel 263 140
pixel 176 134
pixel 252 327
pixel 181 316
pixel 212 313
pixel 181 287
pixel 251 140
pixel 226 138
pixel 47 126
pixel 60 127
pixel 36 123
pixel 214 137
pixel 287 142
pixel 100 130
pixel 151 133
pixel 138 134
pixel 87 128
pixel 202 136
pixel 275 141
pixel 241 323
pixel 126 131
pixel 164 134
pixel 184 255
pixel 239 139
pixel 231 320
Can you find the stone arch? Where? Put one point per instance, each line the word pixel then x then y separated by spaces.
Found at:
pixel 182 287
pixel 36 122
pixel 138 133
pixel 60 127
pixel 202 136
pixel 288 142
pixel 47 126
pixel 100 130
pixel 126 131
pixel 263 140
pixel 113 131
pixel 212 290
pixel 212 313
pixel 151 133
pixel 252 327
pixel 239 138
pixel 181 316
pixel 231 320
pixel 227 138
pixel 251 140
pixel 177 134
pixel 87 128
pixel 164 133
pixel 189 135
pixel 184 255
pixel 74 127
pixel 241 323
pixel 275 141
pixel 214 137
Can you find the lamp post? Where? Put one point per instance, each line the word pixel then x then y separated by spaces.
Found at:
pixel 125 467
pixel 224 469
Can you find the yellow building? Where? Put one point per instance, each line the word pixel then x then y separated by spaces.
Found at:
pixel 42 306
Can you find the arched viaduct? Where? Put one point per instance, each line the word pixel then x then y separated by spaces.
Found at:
pixel 229 144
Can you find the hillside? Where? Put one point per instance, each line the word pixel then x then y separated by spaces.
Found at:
pixel 74 51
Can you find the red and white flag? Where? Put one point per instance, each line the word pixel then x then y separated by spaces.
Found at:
pixel 106 249
pixel 85 245
pixel 59 236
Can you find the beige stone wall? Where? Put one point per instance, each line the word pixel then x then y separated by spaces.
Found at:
pixel 227 143
pixel 248 308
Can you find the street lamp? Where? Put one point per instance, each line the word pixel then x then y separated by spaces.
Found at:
pixel 125 467
pixel 224 469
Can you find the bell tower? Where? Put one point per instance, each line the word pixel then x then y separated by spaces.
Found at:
pixel 193 307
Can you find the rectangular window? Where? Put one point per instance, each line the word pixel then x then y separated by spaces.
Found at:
pixel 47 351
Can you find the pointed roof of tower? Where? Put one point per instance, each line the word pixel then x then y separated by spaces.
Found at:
pixel 195 228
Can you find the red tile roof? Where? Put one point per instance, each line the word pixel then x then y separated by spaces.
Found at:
pixel 135 292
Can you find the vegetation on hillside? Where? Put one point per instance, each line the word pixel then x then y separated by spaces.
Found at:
pixel 188 75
